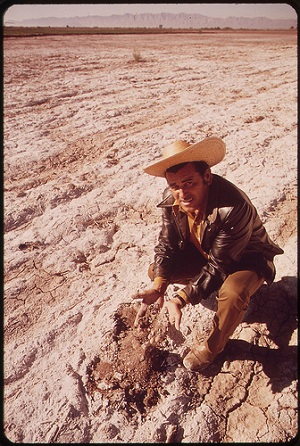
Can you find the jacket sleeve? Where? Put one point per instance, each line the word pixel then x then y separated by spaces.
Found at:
pixel 167 246
pixel 226 250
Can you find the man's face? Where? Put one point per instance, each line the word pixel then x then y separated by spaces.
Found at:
pixel 189 188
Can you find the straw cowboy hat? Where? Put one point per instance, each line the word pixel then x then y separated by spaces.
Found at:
pixel 212 150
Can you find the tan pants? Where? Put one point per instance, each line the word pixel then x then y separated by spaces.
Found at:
pixel 233 297
pixel 233 300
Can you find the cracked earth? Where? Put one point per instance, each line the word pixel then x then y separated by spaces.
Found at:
pixel 81 119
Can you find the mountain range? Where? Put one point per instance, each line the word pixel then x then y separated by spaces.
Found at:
pixel 162 20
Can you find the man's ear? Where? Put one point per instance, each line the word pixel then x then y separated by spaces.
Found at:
pixel 207 176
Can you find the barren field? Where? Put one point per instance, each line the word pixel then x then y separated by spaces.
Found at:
pixel 82 116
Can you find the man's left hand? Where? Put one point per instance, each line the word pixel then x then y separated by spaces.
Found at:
pixel 174 306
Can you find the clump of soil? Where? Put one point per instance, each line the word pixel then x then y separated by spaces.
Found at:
pixel 132 380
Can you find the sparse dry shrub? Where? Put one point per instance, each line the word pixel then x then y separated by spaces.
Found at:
pixel 137 55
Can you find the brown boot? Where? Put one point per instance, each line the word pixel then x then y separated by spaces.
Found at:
pixel 198 358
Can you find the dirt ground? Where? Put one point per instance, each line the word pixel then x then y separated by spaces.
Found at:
pixel 82 116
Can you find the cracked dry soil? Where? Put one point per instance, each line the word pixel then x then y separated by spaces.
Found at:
pixel 80 223
pixel 241 385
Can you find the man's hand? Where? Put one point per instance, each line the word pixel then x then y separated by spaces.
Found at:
pixel 148 297
pixel 174 309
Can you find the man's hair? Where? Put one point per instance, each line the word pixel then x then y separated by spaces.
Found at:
pixel 200 166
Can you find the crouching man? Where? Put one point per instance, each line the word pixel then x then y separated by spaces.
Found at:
pixel 211 239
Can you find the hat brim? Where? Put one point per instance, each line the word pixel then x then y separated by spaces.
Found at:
pixel 211 150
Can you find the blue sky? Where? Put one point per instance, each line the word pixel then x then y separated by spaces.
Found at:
pixel 270 10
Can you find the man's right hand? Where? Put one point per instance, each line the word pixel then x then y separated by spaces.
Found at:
pixel 148 297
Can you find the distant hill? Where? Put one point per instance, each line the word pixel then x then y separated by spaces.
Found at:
pixel 163 20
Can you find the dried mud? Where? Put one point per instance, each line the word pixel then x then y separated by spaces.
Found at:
pixel 82 118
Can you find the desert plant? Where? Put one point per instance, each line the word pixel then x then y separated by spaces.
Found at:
pixel 137 55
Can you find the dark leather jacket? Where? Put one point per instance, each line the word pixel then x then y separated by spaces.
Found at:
pixel 234 237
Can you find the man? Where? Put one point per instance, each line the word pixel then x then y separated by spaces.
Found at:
pixel 211 239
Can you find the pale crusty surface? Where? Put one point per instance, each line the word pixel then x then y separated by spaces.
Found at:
pixel 82 117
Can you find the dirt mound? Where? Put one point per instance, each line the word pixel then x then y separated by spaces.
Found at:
pixel 132 381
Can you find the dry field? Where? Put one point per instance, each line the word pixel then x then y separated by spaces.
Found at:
pixel 82 116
